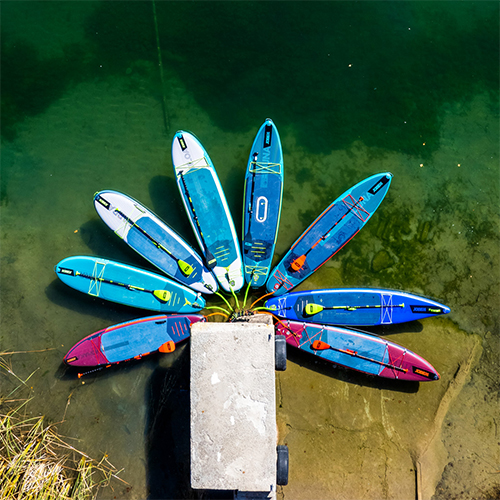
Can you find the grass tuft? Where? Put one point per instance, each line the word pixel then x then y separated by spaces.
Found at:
pixel 36 463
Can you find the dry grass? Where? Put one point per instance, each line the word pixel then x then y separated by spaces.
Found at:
pixel 35 462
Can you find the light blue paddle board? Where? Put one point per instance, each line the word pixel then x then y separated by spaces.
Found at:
pixel 207 210
pixel 127 285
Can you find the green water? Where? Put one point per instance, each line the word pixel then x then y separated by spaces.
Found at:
pixel 355 88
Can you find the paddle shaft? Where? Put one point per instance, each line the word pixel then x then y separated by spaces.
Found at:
pixel 250 208
pixel 324 346
pixel 124 285
pixel 347 308
pixel 211 261
pixel 156 243
pixel 338 222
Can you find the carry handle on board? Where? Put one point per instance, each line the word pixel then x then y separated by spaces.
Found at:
pixel 298 263
pixel 185 268
pixel 319 345
pixel 209 257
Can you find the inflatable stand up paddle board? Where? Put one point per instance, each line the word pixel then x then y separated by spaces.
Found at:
pixel 262 204
pixel 154 240
pixel 207 210
pixel 354 306
pixel 133 339
pixel 340 222
pixel 127 285
pixel 357 350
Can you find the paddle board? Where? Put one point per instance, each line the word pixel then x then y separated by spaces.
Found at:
pixel 357 350
pixel 262 204
pixel 340 222
pixel 207 210
pixel 133 339
pixel 354 306
pixel 154 240
pixel 127 285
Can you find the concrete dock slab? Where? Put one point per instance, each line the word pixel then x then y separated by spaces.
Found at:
pixel 233 407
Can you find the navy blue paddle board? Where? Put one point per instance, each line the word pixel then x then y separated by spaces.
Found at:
pixel 354 306
pixel 262 204
pixel 340 222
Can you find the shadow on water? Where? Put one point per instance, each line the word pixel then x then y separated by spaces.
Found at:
pixel 346 49
pixel 104 243
pixel 168 206
pixel 347 375
pixel 82 303
pixel 168 435
pixel 91 374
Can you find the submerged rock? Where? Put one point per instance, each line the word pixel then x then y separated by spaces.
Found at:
pixel 382 260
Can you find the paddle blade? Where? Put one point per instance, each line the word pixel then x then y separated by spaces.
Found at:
pixel 319 345
pixel 167 347
pixel 210 259
pixel 162 295
pixel 298 263
pixel 185 268
pixel 312 309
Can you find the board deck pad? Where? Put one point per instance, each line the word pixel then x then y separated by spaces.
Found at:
pixel 207 210
pixel 132 339
pixel 127 285
pixel 358 350
pixel 153 239
pixel 338 224
pixel 354 306
pixel 263 194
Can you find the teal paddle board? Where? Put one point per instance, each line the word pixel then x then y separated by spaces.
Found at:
pixel 262 204
pixel 207 210
pixel 127 285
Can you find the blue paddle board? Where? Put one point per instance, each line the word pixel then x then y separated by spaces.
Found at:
pixel 340 222
pixel 359 351
pixel 132 340
pixel 354 306
pixel 150 237
pixel 127 285
pixel 207 210
pixel 262 204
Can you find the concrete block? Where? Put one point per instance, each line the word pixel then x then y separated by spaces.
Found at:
pixel 233 407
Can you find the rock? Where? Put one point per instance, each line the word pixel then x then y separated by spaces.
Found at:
pixel 382 260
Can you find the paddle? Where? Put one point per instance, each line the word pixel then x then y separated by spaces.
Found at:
pixel 185 268
pixel 209 258
pixel 298 263
pixel 161 295
pixel 319 345
pixel 248 235
pixel 312 309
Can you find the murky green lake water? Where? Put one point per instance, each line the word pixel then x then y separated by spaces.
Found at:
pixel 355 88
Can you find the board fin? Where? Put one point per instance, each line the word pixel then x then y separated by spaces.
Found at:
pixel 167 346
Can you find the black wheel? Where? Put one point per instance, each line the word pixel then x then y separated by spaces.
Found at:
pixel 280 353
pixel 282 465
